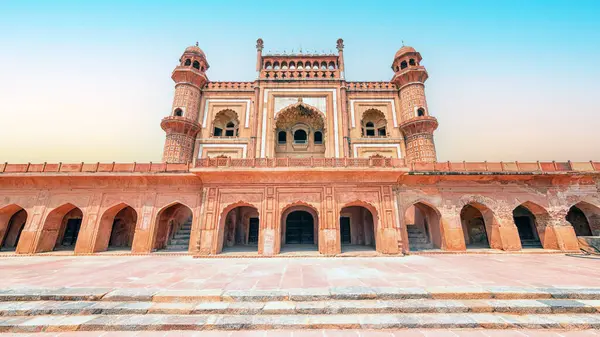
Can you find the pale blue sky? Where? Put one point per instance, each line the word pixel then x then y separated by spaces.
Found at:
pixel 90 81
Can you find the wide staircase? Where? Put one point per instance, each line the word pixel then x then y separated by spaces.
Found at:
pixel 143 309
pixel 181 239
pixel 417 239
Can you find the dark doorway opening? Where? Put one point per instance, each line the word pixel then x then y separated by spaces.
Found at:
pixel 345 230
pixel 71 232
pixel 253 231
pixel 299 228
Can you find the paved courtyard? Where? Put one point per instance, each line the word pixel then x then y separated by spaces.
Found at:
pixel 185 272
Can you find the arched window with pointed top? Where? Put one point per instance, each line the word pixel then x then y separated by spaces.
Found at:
pixel 300 65
pixel 196 65
pixel 323 65
pixel 374 124
pixel 411 62
pixel 403 65
pixel 226 124
pixel 420 112
pixel 331 65
pixel 268 65
pixel 188 62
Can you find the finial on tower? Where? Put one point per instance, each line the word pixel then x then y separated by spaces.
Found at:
pixel 259 44
pixel 196 43
pixel 340 44
pixel 402 43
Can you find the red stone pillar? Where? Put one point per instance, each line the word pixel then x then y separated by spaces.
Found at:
pixel 143 238
pixel 209 225
pixel 561 230
pixel 329 232
pixel 386 233
pixel 269 240
pixel 505 234
pixel 453 238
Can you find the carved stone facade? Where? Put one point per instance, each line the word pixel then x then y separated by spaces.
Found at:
pixel 299 159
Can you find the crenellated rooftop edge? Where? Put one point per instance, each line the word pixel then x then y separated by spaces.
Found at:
pixel 307 163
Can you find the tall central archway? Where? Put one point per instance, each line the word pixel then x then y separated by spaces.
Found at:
pixel 358 222
pixel 299 228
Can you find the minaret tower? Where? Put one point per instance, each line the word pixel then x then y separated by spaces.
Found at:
pixel 415 122
pixel 182 125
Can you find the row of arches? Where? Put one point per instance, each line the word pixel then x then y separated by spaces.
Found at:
pixel 300 65
pixel 62 227
pixel 404 64
pixel 194 64
pixel 479 225
pixel 298 230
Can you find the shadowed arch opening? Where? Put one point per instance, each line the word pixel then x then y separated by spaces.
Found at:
pixel 173 228
pixel 60 229
pixel 423 227
pixel 116 229
pixel 299 228
pixel 12 222
pixel 239 229
pixel 585 219
pixel 474 225
pixel 531 220
pixel 358 223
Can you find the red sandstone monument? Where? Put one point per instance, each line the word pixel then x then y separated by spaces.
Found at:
pixel 303 159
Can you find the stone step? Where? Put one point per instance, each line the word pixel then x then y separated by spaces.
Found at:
pixel 176 248
pixel 152 322
pixel 175 242
pixel 547 306
pixel 297 295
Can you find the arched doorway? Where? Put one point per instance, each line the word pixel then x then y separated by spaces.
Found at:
pixel 173 228
pixel 239 230
pixel 61 229
pixel 585 219
pixel 474 227
pixel 116 230
pixel 357 228
pixel 422 224
pixel 299 229
pixel 526 223
pixel 12 222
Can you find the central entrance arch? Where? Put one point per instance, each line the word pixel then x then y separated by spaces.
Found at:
pixel 300 228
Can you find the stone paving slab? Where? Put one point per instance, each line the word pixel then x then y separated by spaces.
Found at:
pixel 183 272
pixel 248 322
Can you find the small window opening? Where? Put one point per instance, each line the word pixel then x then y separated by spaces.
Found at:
pixel 218 132
pixel 196 65
pixel 370 129
pixel 178 112
pixel 403 65
pixel 318 137
pixel 188 62
pixel 381 132
pixel 411 62
pixel 230 130
pixel 282 137
pixel 420 112
pixel 300 137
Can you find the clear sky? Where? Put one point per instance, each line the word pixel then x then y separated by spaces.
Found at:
pixel 90 81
